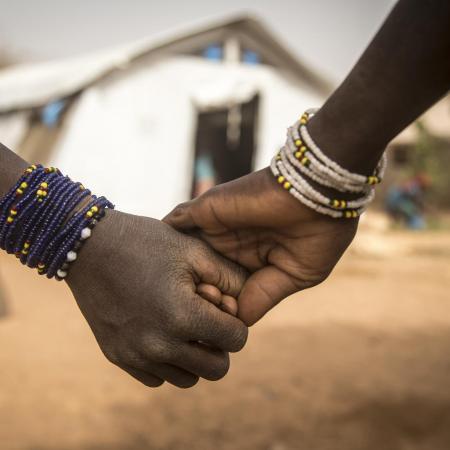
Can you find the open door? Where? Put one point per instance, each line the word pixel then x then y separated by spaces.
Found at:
pixel 224 145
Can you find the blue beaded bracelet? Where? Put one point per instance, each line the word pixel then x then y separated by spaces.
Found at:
pixel 45 218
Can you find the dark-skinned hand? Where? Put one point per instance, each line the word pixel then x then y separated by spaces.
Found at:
pixel 136 282
pixel 254 222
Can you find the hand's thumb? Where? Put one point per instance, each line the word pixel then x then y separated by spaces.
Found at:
pixel 213 269
pixel 181 217
pixel 263 290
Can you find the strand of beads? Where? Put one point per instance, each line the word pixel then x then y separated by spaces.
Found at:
pixel 301 163
pixel 41 221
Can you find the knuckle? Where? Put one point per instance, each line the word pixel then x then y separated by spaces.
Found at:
pixel 159 352
pixel 179 321
pixel 155 350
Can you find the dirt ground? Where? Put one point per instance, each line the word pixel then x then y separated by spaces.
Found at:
pixel 361 362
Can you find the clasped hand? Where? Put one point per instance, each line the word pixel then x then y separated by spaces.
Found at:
pixel 157 324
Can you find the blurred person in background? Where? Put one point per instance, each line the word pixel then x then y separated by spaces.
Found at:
pixel 405 202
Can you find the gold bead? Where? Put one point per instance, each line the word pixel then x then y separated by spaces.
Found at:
pixel 287 185
pixel 44 185
pixel 24 185
pixel 89 214
pixel 26 245
pixel 94 209
pixel 280 179
pixel 10 220
pixel 38 192
pixel 298 142
pixel 303 148
pixel 19 191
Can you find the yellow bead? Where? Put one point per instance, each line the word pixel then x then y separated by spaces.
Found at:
pixel 348 214
pixel 303 148
pixel 354 214
pixel 24 252
pixel 44 185
pixel 34 167
pixel 41 266
pixel 287 185
pixel 298 154
pixel 335 203
pixel 10 220
pixel 13 212
pixel 89 214
pixel 39 192
pixel 303 121
pixel 26 245
pixel 304 161
pixel 44 193
pixel 24 185
pixel 40 200
pixel 19 191
pixel 94 209
pixel 281 179
pixel 343 203
pixel 298 142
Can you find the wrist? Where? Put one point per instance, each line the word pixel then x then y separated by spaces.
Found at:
pixel 346 140
pixel 105 239
pixel 286 204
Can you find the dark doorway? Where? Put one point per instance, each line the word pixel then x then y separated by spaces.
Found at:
pixel 224 145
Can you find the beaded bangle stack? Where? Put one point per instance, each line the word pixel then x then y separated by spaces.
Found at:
pixel 38 223
pixel 301 161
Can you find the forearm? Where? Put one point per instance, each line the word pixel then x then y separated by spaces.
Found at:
pixel 404 70
pixel 11 167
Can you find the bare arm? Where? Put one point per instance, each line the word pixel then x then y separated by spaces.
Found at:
pixel 404 70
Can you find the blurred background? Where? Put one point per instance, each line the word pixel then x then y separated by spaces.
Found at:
pixel 152 104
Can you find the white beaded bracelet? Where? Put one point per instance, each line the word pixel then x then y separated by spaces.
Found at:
pixel 301 161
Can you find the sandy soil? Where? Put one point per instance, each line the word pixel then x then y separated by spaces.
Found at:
pixel 361 362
